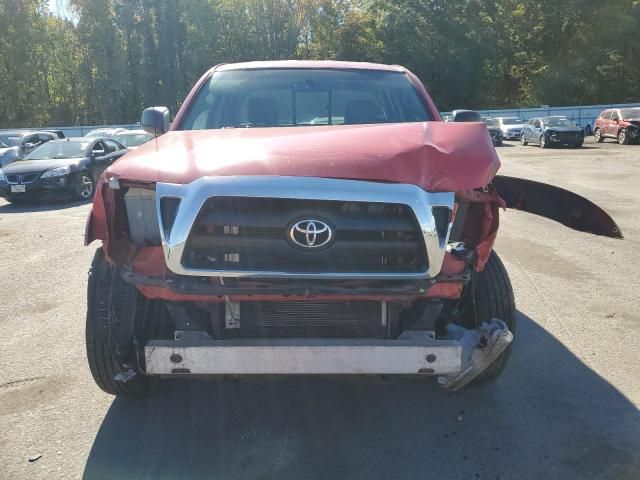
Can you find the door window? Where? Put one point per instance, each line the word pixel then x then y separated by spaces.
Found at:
pixel 111 146
pixel 99 149
pixel 606 115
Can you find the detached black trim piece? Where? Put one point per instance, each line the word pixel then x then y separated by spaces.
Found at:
pixel 555 203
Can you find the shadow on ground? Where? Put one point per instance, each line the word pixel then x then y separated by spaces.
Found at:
pixel 40 205
pixel 549 416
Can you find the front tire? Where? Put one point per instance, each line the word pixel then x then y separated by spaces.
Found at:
pixel 103 347
pixel 543 142
pixel 494 299
pixel 523 142
pixel 597 136
pixel 84 186
pixel 623 138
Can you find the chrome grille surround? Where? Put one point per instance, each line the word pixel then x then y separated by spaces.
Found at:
pixel 193 196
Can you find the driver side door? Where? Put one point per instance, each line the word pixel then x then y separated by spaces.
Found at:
pixel 611 129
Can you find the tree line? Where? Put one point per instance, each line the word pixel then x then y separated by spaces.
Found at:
pixel 109 59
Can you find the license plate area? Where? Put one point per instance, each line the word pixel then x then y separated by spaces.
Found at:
pixel 18 188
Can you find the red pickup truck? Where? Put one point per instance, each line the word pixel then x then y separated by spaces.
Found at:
pixel 307 218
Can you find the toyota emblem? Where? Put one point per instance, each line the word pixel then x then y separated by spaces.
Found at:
pixel 310 233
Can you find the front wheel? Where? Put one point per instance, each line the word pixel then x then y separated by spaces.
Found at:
pixel 493 299
pixel 84 186
pixel 597 136
pixel 523 142
pixel 623 138
pixel 543 142
pixel 110 313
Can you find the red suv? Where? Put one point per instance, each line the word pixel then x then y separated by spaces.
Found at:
pixel 622 124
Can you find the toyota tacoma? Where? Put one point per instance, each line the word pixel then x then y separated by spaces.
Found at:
pixel 308 218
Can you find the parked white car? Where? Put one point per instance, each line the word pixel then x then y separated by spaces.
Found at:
pixel 132 138
pixel 511 127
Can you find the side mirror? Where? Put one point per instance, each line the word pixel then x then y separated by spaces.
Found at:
pixel 155 120
pixel 30 146
pixel 465 116
pixel 97 153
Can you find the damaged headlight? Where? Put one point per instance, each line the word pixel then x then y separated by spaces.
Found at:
pixel 142 216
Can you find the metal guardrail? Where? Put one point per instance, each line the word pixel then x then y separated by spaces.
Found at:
pixel 584 116
pixel 77 131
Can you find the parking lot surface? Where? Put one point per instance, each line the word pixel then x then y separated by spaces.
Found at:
pixel 566 408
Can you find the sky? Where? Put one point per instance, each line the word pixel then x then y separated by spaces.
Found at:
pixel 59 7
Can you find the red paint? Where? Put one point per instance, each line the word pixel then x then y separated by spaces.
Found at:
pixel 435 155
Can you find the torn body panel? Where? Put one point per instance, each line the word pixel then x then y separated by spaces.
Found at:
pixel 555 203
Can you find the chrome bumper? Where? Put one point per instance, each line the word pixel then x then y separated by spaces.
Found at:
pixel 193 196
pixel 455 361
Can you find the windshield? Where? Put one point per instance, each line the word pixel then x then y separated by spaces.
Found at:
pixel 55 149
pixel 490 122
pixel 630 113
pixel 10 140
pixel 133 139
pixel 288 97
pixel 511 121
pixel 559 122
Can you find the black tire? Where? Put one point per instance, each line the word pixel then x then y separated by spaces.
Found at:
pixel 597 136
pixel 523 142
pixel 84 186
pixel 494 299
pixel 103 361
pixel 623 138
pixel 543 142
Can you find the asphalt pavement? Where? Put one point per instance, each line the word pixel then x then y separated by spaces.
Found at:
pixel 565 408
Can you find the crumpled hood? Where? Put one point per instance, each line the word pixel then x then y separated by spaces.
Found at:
pixel 436 156
pixel 564 129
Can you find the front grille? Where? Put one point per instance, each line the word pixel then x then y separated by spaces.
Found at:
pixel 252 234
pixel 29 177
pixel 566 137
pixel 359 319
pixel 21 178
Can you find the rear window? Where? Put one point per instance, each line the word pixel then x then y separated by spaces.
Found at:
pixel 303 97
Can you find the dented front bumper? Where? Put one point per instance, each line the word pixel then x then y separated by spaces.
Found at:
pixel 456 361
